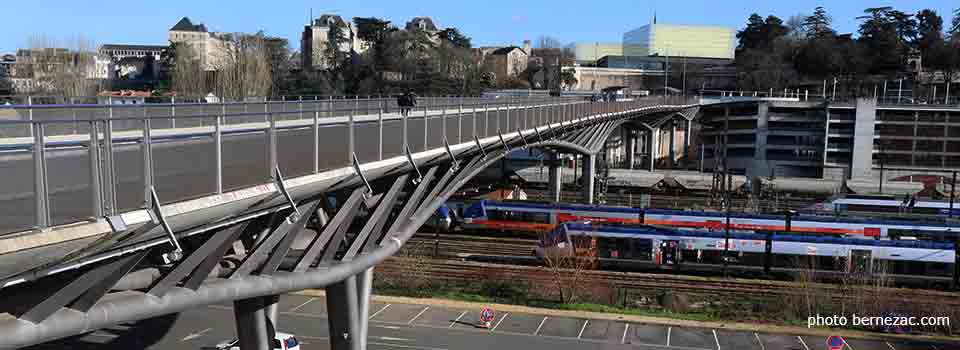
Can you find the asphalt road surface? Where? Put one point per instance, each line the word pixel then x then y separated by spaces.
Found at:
pixel 419 327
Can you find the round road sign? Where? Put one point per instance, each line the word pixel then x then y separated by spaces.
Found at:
pixel 834 342
pixel 486 315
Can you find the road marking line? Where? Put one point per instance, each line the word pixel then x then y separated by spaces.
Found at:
pixel 418 315
pixel 623 340
pixel 406 346
pixel 583 328
pixel 458 319
pixel 395 339
pixel 541 325
pixel 803 343
pixel 716 339
pixel 104 335
pixel 501 320
pixel 845 343
pixel 387 327
pixel 379 311
pixel 669 329
pixel 759 342
pixel 196 335
pixel 301 305
pixel 891 346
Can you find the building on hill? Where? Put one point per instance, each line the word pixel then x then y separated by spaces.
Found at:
pixel 680 41
pixel 205 45
pixel 313 41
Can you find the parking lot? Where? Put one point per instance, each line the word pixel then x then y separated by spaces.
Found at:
pixel 424 327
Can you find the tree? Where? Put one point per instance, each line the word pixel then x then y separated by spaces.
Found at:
pixel 879 34
pixel 61 69
pixel 929 29
pixel 955 25
pixel 376 32
pixel 548 42
pixel 751 36
pixel 242 65
pixel 818 25
pixel 186 74
pixel 570 269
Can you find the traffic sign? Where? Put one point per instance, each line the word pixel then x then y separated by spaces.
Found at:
pixel 486 315
pixel 835 342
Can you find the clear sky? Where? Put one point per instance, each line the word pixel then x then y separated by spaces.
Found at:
pixel 488 22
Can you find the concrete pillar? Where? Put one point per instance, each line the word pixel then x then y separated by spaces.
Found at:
pixel 652 150
pixel 556 175
pixel 631 145
pixel 344 312
pixel 251 319
pixel 863 131
pixel 588 177
pixel 760 165
pixel 686 140
pixel 673 143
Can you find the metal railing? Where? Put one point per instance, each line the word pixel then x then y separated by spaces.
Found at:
pixel 66 164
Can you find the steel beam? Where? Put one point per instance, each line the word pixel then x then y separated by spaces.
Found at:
pixel 261 253
pixel 376 220
pixel 280 252
pixel 344 315
pixel 412 202
pixel 343 217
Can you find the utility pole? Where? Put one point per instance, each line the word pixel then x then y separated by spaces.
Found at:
pixel 684 76
pixel 953 191
pixel 666 75
pixel 726 195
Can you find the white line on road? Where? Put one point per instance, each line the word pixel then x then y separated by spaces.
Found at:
pixel 623 340
pixel 395 339
pixel 104 335
pixel 301 305
pixel 805 347
pixel 845 343
pixel 418 315
pixel 498 322
pixel 541 325
pixel 582 328
pixel 196 335
pixel 669 329
pixel 891 346
pixel 758 341
pixel 458 319
pixel 406 346
pixel 379 311
pixel 388 327
pixel 716 339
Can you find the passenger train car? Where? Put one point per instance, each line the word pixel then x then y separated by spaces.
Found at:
pixel 890 204
pixel 907 262
pixel 539 217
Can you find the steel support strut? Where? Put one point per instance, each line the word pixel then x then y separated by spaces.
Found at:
pixel 343 310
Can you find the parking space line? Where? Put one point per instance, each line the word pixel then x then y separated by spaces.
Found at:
pixel 540 326
pixel 803 343
pixel 716 339
pixel 418 315
pixel 582 328
pixel 623 340
pixel 498 322
pixel 458 319
pixel 891 346
pixel 379 311
pixel 845 343
pixel 758 341
pixel 301 305
pixel 669 329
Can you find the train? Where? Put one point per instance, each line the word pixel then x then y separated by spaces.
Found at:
pixel 537 217
pixel 890 204
pixel 906 262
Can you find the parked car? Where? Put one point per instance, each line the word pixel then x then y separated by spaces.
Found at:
pixel 282 341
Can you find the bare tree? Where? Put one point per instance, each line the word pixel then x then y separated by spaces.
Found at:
pixel 570 269
pixel 242 64
pixel 67 68
pixel 187 73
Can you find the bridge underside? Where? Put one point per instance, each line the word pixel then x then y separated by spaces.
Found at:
pixel 246 257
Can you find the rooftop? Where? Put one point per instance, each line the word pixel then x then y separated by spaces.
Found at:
pixel 110 47
pixel 184 25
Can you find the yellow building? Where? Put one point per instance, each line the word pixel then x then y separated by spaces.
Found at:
pixel 590 52
pixel 680 40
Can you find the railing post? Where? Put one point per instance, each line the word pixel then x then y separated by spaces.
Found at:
pixel 350 136
pixel 426 122
pixel 316 141
pixel 40 177
pixel 30 114
pixel 173 111
pixel 272 146
pixel 443 123
pixel 379 129
pixel 218 147
pixel 147 152
pixel 474 119
pixel 93 153
pixel 109 172
pixel 403 118
pixel 300 106
pixel 460 122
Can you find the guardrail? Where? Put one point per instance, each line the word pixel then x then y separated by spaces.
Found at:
pixel 73 163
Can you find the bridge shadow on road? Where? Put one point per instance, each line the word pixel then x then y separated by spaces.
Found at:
pixel 140 335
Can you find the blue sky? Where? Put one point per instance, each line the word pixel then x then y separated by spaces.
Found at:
pixel 486 21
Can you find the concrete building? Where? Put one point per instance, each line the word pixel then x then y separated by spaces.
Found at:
pixel 591 52
pixel 680 40
pixel 505 61
pixel 313 41
pixel 132 61
pixel 832 141
pixel 207 46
